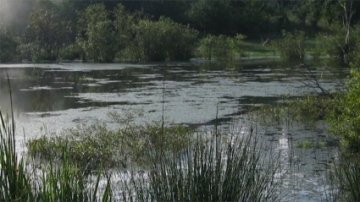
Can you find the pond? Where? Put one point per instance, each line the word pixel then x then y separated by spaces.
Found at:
pixel 48 98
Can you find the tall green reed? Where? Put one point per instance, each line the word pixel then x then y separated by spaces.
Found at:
pixel 19 181
pixel 233 171
pixel 66 182
pixel 14 183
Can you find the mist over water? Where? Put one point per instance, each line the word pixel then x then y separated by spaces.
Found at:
pixel 14 14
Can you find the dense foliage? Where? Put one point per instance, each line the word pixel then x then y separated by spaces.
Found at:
pixel 163 40
pixel 291 47
pixel 220 47
pixel 118 31
pixel 8 46
pixel 346 178
pixel 345 118
pixel 96 34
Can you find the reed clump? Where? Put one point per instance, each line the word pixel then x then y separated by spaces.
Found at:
pixel 97 147
pixel 24 180
pixel 215 169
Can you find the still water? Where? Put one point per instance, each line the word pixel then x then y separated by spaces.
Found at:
pixel 52 97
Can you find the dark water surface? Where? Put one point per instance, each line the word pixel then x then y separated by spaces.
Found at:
pixel 57 96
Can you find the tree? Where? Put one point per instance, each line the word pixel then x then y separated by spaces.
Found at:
pixel 96 34
pixel 124 24
pixel 212 16
pixel 8 46
pixel 46 33
pixel 164 40
pixel 348 13
pixel 342 15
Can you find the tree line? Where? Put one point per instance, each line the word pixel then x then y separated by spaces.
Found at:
pixel 108 31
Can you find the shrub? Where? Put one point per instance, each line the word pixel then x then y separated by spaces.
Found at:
pixel 163 40
pixel 96 34
pixel 221 47
pixel 291 46
pixel 333 44
pixel 30 52
pixel 70 52
pixel 344 119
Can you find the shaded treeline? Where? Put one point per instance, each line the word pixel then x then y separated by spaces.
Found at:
pixel 118 30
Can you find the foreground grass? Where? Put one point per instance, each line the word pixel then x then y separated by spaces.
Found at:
pixel 25 181
pixel 219 169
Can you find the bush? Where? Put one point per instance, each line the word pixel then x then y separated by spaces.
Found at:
pixel 291 46
pixel 163 40
pixel 29 52
pixel 333 44
pixel 96 34
pixel 344 119
pixel 70 52
pixel 221 47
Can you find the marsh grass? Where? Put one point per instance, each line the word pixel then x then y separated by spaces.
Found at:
pixel 21 180
pixel 97 147
pixel 209 170
pixel 307 110
pixel 14 183
pixel 65 182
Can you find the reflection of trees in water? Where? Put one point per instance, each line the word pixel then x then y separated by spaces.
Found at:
pixel 41 89
pixel 36 89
